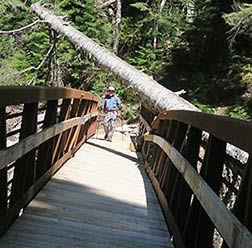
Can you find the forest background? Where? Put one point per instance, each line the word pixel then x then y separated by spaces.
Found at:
pixel 201 46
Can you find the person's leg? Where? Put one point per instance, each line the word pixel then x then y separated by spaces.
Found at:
pixel 106 125
pixel 112 123
pixel 110 132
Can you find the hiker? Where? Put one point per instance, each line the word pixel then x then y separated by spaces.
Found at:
pixel 110 105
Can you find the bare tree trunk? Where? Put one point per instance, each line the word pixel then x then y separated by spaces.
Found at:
pixel 190 11
pixel 153 95
pixel 160 8
pixel 54 74
pixel 117 25
pixel 106 4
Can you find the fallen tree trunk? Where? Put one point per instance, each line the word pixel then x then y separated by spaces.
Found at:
pixel 154 96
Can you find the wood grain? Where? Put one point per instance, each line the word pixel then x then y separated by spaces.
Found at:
pixel 99 198
pixel 234 233
pixel 27 144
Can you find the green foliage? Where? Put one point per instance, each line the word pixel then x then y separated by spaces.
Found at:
pixel 242 16
pixel 88 19
pixel 203 107
pixel 128 112
pixel 102 80
pixel 147 60
pixel 35 43
pixel 238 112
pixel 10 67
pixel 101 83
pixel 191 53
pixel 141 6
pixel 246 74
pixel 14 57
pixel 139 31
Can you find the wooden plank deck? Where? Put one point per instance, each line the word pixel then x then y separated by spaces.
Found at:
pixel 100 198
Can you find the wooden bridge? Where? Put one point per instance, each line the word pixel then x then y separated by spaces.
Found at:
pixel 62 186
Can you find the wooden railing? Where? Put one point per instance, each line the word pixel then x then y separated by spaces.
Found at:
pixel 205 193
pixel 51 124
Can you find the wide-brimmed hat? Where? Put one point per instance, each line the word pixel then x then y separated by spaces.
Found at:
pixel 111 88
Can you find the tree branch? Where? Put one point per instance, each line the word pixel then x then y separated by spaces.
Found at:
pixel 23 28
pixel 106 4
pixel 32 68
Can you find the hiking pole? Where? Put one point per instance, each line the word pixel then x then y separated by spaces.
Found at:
pixel 122 126
pixel 98 126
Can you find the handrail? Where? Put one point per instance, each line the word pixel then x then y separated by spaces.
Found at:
pixel 27 144
pixel 225 128
pixel 227 224
pixel 27 94
pixel 188 178
pixel 69 120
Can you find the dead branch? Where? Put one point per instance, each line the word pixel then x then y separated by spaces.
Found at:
pixel 32 68
pixel 106 4
pixel 23 28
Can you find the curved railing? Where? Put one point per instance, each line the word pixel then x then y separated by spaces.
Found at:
pixel 50 125
pixel 198 180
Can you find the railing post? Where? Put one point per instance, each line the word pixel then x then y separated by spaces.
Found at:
pixel 243 203
pixel 167 163
pixel 160 165
pixel 170 191
pixel 94 119
pixel 24 172
pixel 61 139
pixel 82 112
pixel 3 172
pixel 71 132
pixel 184 197
pixel 45 152
pixel 87 124
pixel 200 226
pixel 156 150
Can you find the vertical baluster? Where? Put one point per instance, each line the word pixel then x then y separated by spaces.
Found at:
pixel 73 114
pixel 90 122
pixel 94 119
pixel 185 193
pixel 86 126
pixel 61 138
pixel 167 163
pixel 77 131
pixel 83 111
pixel 46 149
pixel 156 149
pixel 177 143
pixel 24 172
pixel 163 156
pixel 3 172
pixel 211 171
pixel 243 203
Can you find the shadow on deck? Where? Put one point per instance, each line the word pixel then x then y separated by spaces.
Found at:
pixel 100 198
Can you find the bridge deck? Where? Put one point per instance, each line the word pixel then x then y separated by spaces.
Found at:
pixel 100 198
